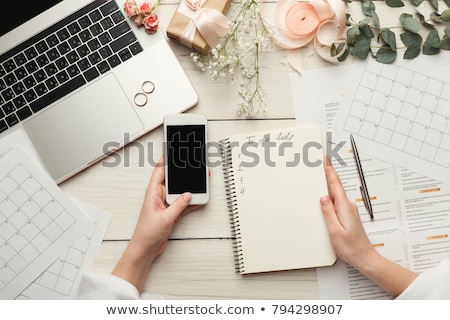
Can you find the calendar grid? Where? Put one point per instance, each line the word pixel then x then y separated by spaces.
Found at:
pixel 60 276
pixel 403 109
pixel 59 280
pixel 31 219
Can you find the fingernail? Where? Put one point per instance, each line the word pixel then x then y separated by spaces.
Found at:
pixel 187 197
pixel 324 200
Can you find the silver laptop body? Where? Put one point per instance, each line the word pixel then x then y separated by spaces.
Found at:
pixel 74 86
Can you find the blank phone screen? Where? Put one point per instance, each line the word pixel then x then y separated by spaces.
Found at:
pixel 186 157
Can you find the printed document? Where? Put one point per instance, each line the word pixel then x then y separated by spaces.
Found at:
pixel 400 113
pixel 412 216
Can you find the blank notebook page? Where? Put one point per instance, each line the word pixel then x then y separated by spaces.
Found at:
pixel 275 181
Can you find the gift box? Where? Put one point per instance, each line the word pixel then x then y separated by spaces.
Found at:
pixel 198 23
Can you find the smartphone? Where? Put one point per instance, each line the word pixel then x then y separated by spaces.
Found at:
pixel 186 158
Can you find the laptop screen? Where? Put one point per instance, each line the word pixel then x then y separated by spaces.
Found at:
pixel 22 11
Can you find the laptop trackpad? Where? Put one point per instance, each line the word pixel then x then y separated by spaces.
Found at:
pixel 73 133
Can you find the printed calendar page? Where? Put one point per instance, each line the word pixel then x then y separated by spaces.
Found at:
pixel 61 280
pixel 38 223
pixel 399 113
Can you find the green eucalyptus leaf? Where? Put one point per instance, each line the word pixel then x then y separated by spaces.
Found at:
pixel 421 17
pixel 376 20
pixel 428 25
pixel 395 3
pixel 344 56
pixel 340 47
pixel 366 30
pixel 335 49
pixel 434 4
pixel 348 19
pixel 411 39
pixel 413 42
pixel 433 39
pixel 412 52
pixel 389 37
pixel 352 33
pixel 424 22
pixel 432 44
pixel 417 2
pixel 409 23
pixel 361 48
pixel 436 17
pixel 385 54
pixel 429 50
pixel 365 21
pixel 446 15
pixel 445 43
pixel 447 31
pixel 368 7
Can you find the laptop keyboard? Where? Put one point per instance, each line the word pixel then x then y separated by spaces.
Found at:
pixel 62 58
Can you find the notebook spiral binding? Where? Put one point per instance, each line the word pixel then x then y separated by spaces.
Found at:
pixel 230 190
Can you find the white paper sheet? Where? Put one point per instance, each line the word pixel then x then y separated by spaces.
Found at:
pixel 61 280
pixel 400 113
pixel 411 210
pixel 38 222
pixel 416 252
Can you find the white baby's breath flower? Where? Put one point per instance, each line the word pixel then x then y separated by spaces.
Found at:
pixel 236 57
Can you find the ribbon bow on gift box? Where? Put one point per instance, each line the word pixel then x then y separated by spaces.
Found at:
pixel 209 22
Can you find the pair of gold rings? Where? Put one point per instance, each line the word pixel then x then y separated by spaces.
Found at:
pixel 141 98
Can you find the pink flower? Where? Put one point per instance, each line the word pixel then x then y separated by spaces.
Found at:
pixel 143 14
pixel 130 7
pixel 138 20
pixel 146 8
pixel 151 23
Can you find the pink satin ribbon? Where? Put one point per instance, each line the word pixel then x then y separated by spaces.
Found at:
pixel 209 22
pixel 301 22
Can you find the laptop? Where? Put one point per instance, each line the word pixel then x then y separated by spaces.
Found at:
pixel 78 75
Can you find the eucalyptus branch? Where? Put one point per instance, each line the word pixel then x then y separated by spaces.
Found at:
pixel 361 35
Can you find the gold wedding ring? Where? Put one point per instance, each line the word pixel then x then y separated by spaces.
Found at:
pixel 148 87
pixel 140 98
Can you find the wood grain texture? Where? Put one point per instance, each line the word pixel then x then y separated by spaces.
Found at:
pixel 204 269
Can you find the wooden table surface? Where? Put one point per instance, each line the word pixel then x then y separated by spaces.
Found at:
pixel 198 262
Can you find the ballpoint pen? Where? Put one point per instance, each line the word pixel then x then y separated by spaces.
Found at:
pixel 363 187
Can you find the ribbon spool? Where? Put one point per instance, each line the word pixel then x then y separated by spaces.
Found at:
pixel 302 22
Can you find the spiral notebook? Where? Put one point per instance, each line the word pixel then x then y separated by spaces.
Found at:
pixel 274 181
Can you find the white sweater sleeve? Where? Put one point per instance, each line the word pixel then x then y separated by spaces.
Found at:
pixel 95 286
pixel 432 284
pixel 106 287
